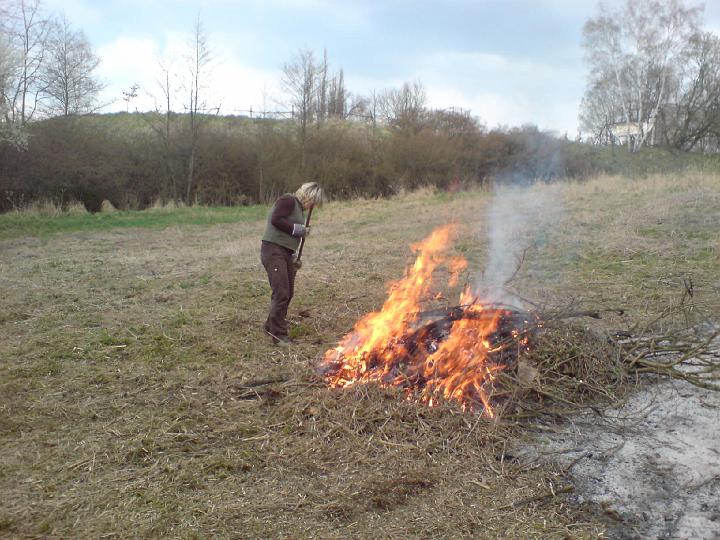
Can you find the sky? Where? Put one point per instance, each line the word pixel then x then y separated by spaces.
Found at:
pixel 510 62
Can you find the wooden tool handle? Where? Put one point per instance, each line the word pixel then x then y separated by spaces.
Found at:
pixel 302 240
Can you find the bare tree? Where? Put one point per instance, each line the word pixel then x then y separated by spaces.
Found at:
pixel 691 119
pixel 370 106
pixel 69 79
pixel 182 89
pixel 602 109
pixel 130 94
pixel 453 122
pixel 633 53
pixel 299 82
pixel 198 62
pixel 322 89
pixel 404 108
pixel 339 105
pixel 164 127
pixel 9 62
pixel 27 29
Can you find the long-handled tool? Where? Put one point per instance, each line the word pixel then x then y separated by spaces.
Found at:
pixel 302 240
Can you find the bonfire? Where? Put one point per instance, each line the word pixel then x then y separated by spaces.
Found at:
pixel 453 353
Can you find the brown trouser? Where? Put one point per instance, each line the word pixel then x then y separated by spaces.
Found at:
pixel 278 264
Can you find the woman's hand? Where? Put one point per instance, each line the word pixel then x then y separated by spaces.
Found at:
pixel 301 230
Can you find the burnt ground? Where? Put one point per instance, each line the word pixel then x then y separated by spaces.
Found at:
pixel 651 467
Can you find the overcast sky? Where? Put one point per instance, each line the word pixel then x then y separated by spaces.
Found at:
pixel 511 62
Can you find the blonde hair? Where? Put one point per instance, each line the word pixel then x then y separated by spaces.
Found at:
pixel 311 193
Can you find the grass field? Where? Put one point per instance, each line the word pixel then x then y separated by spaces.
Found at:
pixel 129 340
pixel 36 223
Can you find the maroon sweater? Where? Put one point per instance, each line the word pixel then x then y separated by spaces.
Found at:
pixel 283 208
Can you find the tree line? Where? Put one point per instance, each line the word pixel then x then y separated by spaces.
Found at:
pixel 119 157
pixel 654 83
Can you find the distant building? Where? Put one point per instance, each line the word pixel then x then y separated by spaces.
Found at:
pixel 626 131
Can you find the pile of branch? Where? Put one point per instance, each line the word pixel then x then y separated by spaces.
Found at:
pixel 514 325
pixel 695 360
pixel 571 366
pixel 547 361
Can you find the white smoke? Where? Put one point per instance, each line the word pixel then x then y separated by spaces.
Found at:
pixel 517 220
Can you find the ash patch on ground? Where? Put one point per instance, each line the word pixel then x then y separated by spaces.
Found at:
pixel 650 467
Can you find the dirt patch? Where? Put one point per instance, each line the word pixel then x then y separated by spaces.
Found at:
pixel 651 467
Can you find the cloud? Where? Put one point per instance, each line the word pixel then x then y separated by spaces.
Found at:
pixel 502 90
pixel 493 109
pixel 495 70
pixel 127 61
pixel 80 13
pixel 227 83
pixel 508 109
pixel 498 90
pixel 237 87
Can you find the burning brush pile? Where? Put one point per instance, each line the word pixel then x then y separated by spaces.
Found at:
pixel 484 356
pixel 449 354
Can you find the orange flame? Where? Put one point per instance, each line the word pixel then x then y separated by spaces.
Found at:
pixel 380 348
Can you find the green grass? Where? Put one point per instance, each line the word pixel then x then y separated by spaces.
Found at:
pixel 17 224
pixel 35 224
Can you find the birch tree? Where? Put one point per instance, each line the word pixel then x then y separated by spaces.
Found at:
pixel 27 29
pixel 10 131
pixel 24 31
pixel 633 53
pixel 69 76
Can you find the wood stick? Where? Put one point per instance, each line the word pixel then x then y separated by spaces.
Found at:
pixel 536 498
pixel 302 240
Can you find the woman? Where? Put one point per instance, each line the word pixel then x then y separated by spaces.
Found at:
pixel 285 227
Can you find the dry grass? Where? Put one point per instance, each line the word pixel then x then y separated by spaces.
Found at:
pixel 632 243
pixel 129 402
pixel 50 209
pixel 107 206
pixel 167 205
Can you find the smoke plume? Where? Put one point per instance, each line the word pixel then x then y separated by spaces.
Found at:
pixel 517 220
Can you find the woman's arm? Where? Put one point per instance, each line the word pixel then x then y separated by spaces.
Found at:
pixel 280 217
